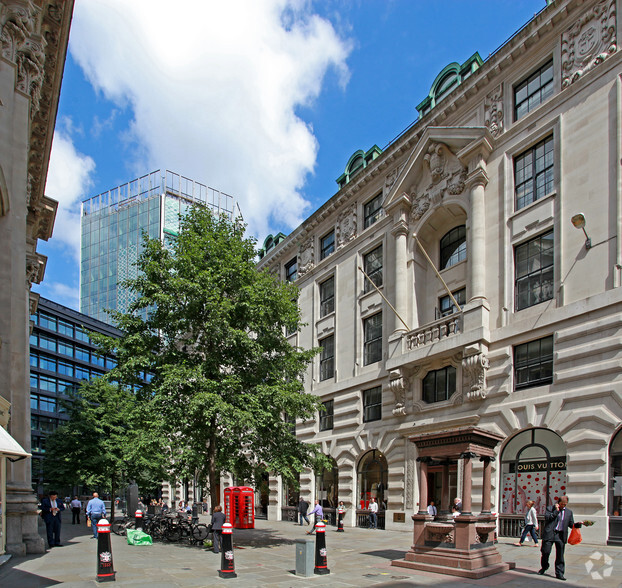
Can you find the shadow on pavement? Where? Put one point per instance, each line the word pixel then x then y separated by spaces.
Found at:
pixel 13 577
pixel 386 553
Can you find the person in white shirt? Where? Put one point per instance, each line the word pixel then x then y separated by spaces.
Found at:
pixel 76 507
pixel 373 514
pixel 531 524
pixel 432 509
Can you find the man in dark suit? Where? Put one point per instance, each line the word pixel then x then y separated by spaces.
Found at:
pixel 51 509
pixel 557 520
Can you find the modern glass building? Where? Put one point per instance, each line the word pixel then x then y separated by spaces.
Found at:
pixel 112 226
pixel 61 357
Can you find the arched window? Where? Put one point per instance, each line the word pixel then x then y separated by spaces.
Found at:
pixel 327 485
pixel 373 474
pixel 533 467
pixel 453 247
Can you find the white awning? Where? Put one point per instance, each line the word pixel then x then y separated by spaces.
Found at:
pixel 9 447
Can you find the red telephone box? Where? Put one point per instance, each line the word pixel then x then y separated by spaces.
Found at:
pixel 240 507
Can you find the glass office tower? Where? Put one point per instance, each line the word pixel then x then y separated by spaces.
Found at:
pixel 112 225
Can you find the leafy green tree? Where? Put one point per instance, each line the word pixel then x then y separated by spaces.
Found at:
pixel 210 328
pixel 107 441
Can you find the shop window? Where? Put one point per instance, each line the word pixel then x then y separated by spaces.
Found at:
pixel 372 263
pixel 327 245
pixel 327 485
pixel 534 172
pixel 326 416
pixel 327 296
pixel 439 385
pixel 372 210
pixel 453 247
pixel 533 363
pixel 372 332
pixel 327 358
pixel 373 475
pixel 533 467
pixel 533 90
pixel 534 271
pixel 372 404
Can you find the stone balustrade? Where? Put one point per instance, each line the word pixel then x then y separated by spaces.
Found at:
pixel 434 332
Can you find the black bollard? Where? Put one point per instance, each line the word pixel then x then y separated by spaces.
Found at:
pixel 227 565
pixel 105 567
pixel 321 565
pixel 340 513
pixel 138 519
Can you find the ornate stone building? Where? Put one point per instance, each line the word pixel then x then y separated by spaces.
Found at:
pixel 513 162
pixel 34 36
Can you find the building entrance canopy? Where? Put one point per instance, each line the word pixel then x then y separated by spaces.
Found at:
pixel 9 447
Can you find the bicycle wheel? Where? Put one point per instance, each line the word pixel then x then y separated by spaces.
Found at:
pixel 118 527
pixel 173 533
pixel 200 532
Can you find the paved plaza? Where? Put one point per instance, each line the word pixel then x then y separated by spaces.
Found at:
pixel 266 556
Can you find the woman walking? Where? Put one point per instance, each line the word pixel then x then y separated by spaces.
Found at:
pixel 218 518
pixel 531 524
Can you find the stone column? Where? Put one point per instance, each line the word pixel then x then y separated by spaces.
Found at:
pixel 476 244
pixel 487 485
pixel 423 485
pixel 467 458
pixel 444 506
pixel 400 232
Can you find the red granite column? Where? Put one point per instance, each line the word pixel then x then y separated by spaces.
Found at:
pixel 487 485
pixel 423 485
pixel 467 485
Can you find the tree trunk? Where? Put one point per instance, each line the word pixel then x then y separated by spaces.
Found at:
pixel 212 475
pixel 112 498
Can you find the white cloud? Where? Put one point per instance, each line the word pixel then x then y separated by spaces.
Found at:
pixel 63 294
pixel 68 181
pixel 214 88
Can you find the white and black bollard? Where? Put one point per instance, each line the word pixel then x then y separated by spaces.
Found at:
pixel 321 565
pixel 227 565
pixel 105 567
pixel 138 519
pixel 340 514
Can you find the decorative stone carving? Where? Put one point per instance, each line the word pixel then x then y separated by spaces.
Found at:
pixel 420 205
pixel 397 385
pixel 474 368
pixel 35 268
pixel 306 257
pixel 30 73
pixel 589 41
pixel 346 226
pixel 435 158
pixel 493 111
pixel 456 182
pixel 391 179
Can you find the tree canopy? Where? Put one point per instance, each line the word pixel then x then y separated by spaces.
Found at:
pixel 210 329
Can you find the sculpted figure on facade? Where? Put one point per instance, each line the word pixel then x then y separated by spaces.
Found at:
pixel 493 114
pixel 474 368
pixel 397 385
pixel 391 179
pixel 306 257
pixel 589 41
pixel 420 205
pixel 346 226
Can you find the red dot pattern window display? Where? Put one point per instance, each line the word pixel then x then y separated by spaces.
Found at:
pixel 533 465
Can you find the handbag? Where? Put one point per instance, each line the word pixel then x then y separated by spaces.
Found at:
pixel 575 536
pixel 88 522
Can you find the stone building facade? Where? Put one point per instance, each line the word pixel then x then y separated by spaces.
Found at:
pixel 33 36
pixel 509 184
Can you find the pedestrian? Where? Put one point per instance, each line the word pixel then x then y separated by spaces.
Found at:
pixel 204 505
pixel 341 512
pixel 303 507
pixel 76 507
pixel 457 507
pixel 373 514
pixel 557 520
pixel 319 515
pixel 95 510
pixel 218 518
pixel 531 524
pixel 432 509
pixel 51 509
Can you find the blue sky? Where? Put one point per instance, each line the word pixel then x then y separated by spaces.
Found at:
pixel 265 100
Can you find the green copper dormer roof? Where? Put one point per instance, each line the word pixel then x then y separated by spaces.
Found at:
pixel 450 77
pixel 359 160
pixel 270 243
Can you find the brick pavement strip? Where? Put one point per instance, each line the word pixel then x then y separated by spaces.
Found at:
pixel 265 556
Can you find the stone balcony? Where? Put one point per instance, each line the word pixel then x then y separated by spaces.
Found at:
pixel 434 332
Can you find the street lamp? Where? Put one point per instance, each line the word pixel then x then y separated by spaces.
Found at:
pixel 578 221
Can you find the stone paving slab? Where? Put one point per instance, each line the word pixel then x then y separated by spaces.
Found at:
pixel 265 556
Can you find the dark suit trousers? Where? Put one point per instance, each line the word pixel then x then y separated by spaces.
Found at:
pixel 52 525
pixel 560 546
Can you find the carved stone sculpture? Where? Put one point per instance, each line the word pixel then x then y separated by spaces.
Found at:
pixel 420 205
pixel 306 257
pixel 493 115
pixel 589 41
pixel 346 226
pixel 435 158
pixel 474 368
pixel 397 385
